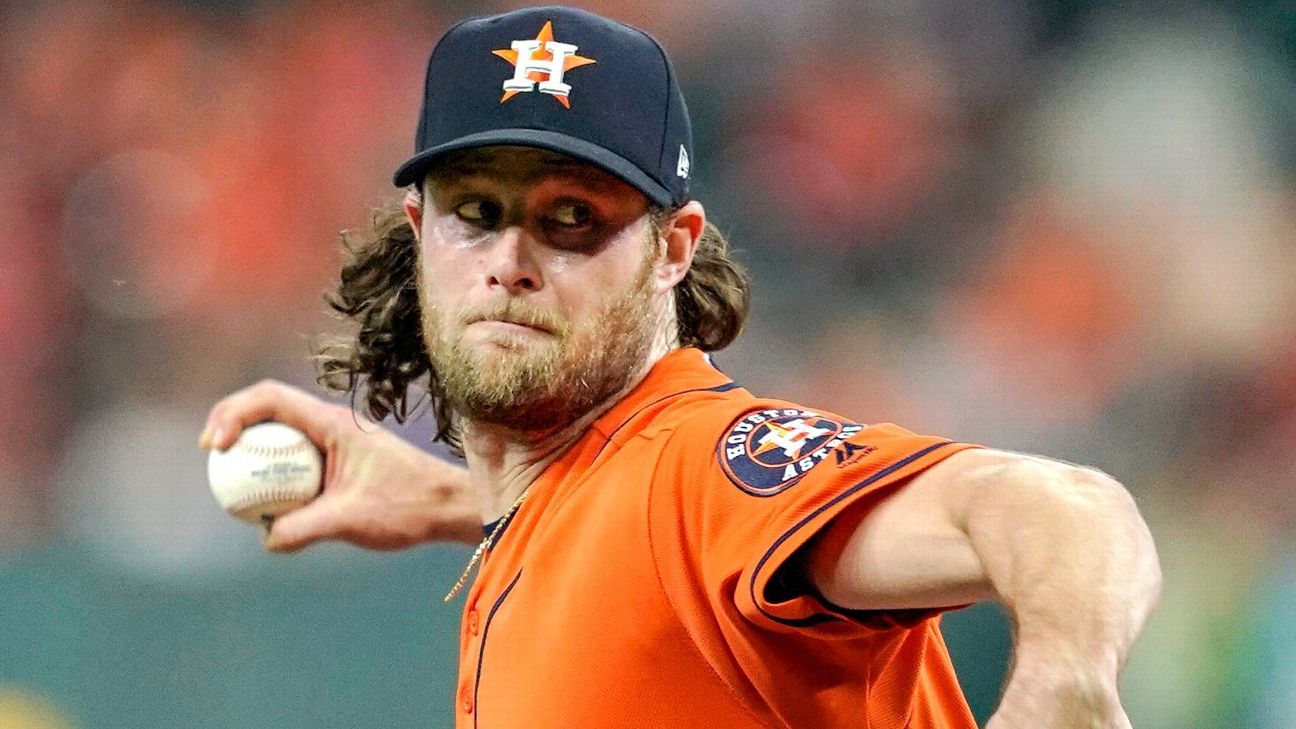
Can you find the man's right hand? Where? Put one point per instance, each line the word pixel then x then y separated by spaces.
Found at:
pixel 379 491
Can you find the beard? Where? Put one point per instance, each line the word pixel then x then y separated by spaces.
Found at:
pixel 515 384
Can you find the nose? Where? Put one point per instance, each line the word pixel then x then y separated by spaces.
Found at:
pixel 510 263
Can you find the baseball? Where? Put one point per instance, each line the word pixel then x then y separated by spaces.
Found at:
pixel 270 470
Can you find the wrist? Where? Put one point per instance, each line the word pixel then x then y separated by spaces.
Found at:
pixel 457 517
pixel 1061 688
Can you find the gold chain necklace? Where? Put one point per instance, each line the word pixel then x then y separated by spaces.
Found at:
pixel 485 545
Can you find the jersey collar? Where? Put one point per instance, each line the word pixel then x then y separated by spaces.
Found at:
pixel 680 371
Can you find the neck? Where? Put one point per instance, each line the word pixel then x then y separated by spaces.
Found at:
pixel 503 462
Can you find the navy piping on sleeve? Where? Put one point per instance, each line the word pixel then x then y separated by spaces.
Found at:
pixel 818 618
pixel 481 650
pixel 726 387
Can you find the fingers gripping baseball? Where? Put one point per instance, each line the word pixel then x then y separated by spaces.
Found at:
pixel 382 493
pixel 321 520
pixel 378 491
pixel 272 400
pixel 276 402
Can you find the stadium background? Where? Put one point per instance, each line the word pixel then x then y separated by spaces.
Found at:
pixel 1054 226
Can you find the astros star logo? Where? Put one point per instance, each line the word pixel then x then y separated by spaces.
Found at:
pixel 791 438
pixel 767 451
pixel 542 61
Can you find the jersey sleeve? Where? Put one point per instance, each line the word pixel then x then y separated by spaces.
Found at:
pixel 743 498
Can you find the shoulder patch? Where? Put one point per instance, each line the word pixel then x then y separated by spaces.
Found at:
pixel 767 451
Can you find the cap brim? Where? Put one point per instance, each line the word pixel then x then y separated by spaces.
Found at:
pixel 413 170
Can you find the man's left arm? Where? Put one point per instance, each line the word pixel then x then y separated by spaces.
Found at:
pixel 1063 547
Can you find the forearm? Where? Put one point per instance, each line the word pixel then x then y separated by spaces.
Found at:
pixel 1067 553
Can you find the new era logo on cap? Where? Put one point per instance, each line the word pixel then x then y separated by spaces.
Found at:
pixel 541 61
pixel 618 102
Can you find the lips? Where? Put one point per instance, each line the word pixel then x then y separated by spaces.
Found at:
pixel 516 313
pixel 517 322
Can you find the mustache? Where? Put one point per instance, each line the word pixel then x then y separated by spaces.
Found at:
pixel 516 311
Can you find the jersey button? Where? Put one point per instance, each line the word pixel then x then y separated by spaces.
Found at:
pixel 472 622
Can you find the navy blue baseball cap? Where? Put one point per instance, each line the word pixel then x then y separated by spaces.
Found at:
pixel 560 79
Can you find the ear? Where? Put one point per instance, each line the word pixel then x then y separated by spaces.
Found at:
pixel 413 204
pixel 681 234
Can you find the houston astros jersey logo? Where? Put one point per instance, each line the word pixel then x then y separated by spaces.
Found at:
pixel 769 450
pixel 542 61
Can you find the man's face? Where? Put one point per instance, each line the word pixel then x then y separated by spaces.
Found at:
pixel 536 285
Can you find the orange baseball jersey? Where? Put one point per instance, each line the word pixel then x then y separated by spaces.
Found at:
pixel 642 582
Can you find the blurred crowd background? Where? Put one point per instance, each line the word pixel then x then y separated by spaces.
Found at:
pixel 1057 227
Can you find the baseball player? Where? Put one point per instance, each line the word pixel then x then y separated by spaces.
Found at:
pixel 664 548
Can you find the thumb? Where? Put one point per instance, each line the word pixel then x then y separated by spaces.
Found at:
pixel 299 529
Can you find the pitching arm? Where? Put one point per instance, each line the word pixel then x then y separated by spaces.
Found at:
pixel 1063 547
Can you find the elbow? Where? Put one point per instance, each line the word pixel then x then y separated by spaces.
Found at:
pixel 1133 550
pixel 1043 485
pixel 1136 555
pixel 1112 502
pixel 1092 507
pixel 1146 576
pixel 1054 485
pixel 1067 552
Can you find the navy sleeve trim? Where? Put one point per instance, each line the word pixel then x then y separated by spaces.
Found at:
pixel 726 387
pixel 818 618
pixel 481 650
